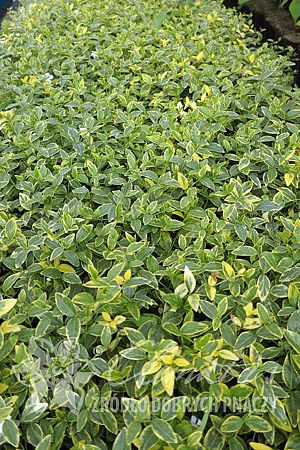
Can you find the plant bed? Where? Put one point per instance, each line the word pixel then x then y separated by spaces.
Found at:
pixel 149 230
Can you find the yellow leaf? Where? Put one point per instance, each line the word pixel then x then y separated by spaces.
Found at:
pixel 212 293
pixel 119 279
pixel 212 280
pixel 207 89
pixel 136 442
pixel 106 316
pixel 227 269
pixel 168 380
pixel 167 359
pixel 151 367
pixel 257 446
pixel 249 309
pixel 226 354
pixel 6 327
pixel 3 387
pixel 127 275
pixel 252 322
pixel 288 178
pixel 182 181
pixel 181 362
pixel 66 268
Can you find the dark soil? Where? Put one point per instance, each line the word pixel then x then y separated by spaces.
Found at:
pixel 274 22
pixel 4 9
pixel 268 14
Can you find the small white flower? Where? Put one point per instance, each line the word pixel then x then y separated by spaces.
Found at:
pixel 2 423
pixel 196 422
pixel 49 77
pixel 76 11
pixel 48 279
pixel 94 54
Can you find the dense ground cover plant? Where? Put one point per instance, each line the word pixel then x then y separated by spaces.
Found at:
pixel 149 230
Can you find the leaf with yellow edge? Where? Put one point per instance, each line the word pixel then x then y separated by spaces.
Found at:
pixel 66 268
pixel 189 279
pixel 168 380
pixel 6 305
pixel 296 358
pixel 182 181
pixel 258 446
pixel 227 354
pixel 119 319
pixel 194 301
pixel 6 327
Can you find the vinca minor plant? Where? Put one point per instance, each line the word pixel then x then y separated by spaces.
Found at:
pixel 149 229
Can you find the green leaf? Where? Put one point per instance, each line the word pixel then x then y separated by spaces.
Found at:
pixel 11 433
pixel 193 328
pixel 147 439
pixel 44 444
pixel 83 298
pixel 232 424
pixel 263 287
pixel 73 135
pixel 65 305
pixel 244 340
pixel 245 251
pixel 133 353
pixel 33 411
pixel 11 228
pixel 258 424
pixel 120 442
pixel 293 339
pixel 208 309
pixel 163 431
pixel 214 440
pixel 109 421
pixel 133 431
pixel 115 271
pixel 73 330
pixel 9 281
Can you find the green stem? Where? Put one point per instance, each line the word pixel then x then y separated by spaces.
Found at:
pixel 207 412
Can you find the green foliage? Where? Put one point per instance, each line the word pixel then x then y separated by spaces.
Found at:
pixel 149 230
